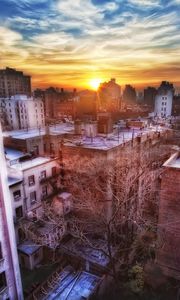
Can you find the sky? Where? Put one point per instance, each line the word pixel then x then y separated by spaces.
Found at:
pixel 68 43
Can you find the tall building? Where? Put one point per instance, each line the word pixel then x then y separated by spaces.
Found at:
pixel 14 82
pixel 129 94
pixel 164 100
pixel 109 96
pixel 169 218
pixel 149 96
pixel 22 112
pixel 10 280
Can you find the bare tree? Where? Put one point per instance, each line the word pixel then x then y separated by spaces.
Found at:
pixel 110 196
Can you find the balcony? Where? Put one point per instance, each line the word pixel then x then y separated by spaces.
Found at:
pixel 52 194
pixel 44 179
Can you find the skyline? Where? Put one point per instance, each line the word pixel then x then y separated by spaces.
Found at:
pixel 61 43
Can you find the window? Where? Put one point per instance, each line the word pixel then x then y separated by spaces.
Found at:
pixel 51 148
pixel 31 180
pixel 43 174
pixel 54 171
pixel 162 103
pixel 36 150
pixel 17 195
pixel 44 147
pixel 19 212
pixel 1 256
pixel 3 283
pixel 33 197
pixel 44 190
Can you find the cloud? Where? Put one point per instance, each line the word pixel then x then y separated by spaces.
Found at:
pixel 145 3
pixel 73 40
pixel 9 37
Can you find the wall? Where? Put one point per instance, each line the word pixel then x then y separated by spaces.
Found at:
pixel 169 225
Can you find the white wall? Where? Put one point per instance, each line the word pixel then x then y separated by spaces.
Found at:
pixel 163 104
pixel 7 234
pixel 23 112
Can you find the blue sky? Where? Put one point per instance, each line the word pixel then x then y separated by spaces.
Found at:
pixel 65 42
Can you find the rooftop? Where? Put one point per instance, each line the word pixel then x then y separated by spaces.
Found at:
pixel 31 163
pixel 75 286
pixel 12 181
pixel 64 195
pixel 111 140
pixel 173 161
pixel 57 129
pixel 13 154
pixel 28 247
pixel 77 248
pixel 41 227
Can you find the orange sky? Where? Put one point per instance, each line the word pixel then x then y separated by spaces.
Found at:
pixel 67 43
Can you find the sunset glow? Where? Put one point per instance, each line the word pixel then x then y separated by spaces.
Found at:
pixel 63 43
pixel 94 83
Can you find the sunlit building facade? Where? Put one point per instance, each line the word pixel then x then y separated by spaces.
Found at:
pixel 10 281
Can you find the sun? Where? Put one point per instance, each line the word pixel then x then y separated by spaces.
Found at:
pixel 94 83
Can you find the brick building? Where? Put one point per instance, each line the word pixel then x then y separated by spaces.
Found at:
pixel 169 218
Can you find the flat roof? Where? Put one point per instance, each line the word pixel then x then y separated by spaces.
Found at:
pixel 13 154
pixel 12 181
pixel 61 128
pixel 75 286
pixel 77 248
pixel 28 247
pixel 173 161
pixel 31 163
pixel 111 140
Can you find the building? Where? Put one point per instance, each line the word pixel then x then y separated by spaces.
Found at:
pixel 86 105
pixel 22 112
pixel 109 96
pixel 35 185
pixel 113 149
pixel 169 215
pixel 34 182
pixel 59 104
pixel 164 100
pixel 10 280
pixel 149 96
pixel 14 82
pixel 69 283
pixel 129 95
pixel 40 180
pixel 42 141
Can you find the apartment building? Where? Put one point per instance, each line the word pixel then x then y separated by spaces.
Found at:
pixel 164 100
pixel 109 96
pixel 14 82
pixel 169 215
pixel 22 112
pixel 34 182
pixel 10 280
